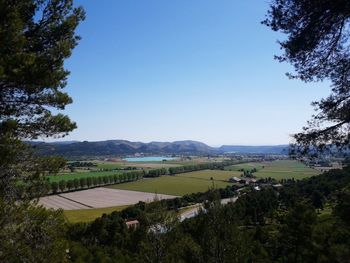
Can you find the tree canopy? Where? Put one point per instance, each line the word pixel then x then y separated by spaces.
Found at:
pixel 36 37
pixel 317 45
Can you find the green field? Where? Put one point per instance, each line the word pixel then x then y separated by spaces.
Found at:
pixel 77 175
pixel 217 175
pixel 281 169
pixel 86 215
pixel 176 185
pixel 108 165
pixel 246 166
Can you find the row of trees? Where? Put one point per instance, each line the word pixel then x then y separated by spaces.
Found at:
pixel 201 166
pixel 92 181
pixel 188 168
pixel 156 172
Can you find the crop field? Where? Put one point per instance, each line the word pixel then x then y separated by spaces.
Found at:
pixel 217 175
pixel 196 160
pixel 97 198
pixel 179 185
pixel 108 165
pixel 123 164
pixel 87 215
pixel 281 169
pixel 77 175
pixel 246 166
pixel 149 165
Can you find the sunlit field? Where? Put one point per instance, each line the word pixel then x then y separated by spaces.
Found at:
pixel 281 169
pixel 173 185
pixel 87 215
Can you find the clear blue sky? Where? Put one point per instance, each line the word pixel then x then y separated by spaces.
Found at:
pixel 203 70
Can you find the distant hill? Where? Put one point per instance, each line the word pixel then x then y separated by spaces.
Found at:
pixel 122 147
pixel 268 149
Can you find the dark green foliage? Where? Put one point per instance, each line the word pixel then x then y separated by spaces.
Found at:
pixel 257 206
pixel 111 179
pixel 95 181
pixel 317 199
pixel 76 183
pixel 39 235
pixel 41 36
pixel 342 208
pixel 82 164
pixel 295 240
pixel 36 37
pixel 70 185
pixel 62 185
pixel 201 166
pixel 105 179
pixel 325 184
pixel 317 45
pixel 82 182
pixel 157 172
pixel 116 179
pixel 89 182
pixel 54 187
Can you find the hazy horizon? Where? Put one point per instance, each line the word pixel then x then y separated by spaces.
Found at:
pixel 117 139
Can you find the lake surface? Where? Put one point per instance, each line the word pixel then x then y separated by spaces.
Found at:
pixel 149 159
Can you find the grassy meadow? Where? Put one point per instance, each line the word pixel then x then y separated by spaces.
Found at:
pixel 280 169
pixel 217 175
pixel 177 185
pixel 86 215
pixel 108 165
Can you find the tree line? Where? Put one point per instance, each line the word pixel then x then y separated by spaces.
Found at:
pixel 91 181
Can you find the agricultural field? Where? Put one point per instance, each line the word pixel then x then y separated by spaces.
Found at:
pixel 196 160
pixel 280 169
pixel 217 175
pixel 120 164
pixel 179 184
pixel 87 215
pixel 108 165
pixel 246 166
pixel 78 175
pixel 99 197
pixel 149 165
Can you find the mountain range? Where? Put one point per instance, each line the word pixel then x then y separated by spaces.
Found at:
pixel 124 147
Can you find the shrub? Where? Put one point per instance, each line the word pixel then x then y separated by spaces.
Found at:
pixel 54 187
pixel 82 182
pixel 62 185
pixel 76 183
pixel 70 184
pixel 89 182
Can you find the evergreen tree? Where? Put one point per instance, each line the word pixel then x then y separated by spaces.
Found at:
pixel 317 45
